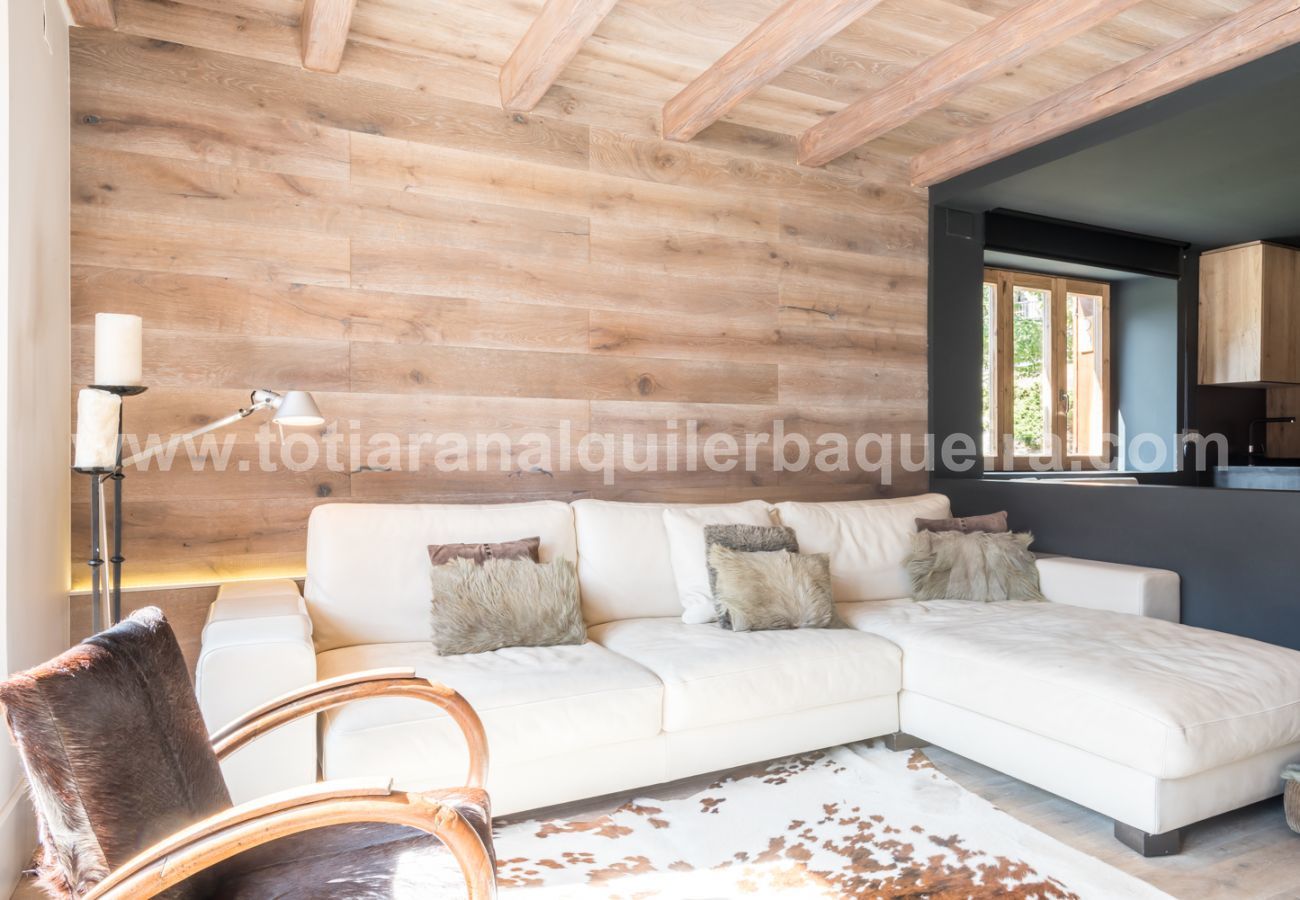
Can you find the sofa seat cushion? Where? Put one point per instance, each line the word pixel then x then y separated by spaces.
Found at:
pixel 535 702
pixel 1165 699
pixel 712 676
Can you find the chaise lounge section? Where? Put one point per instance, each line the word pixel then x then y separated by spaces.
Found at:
pixel 1099 696
pixel 1155 724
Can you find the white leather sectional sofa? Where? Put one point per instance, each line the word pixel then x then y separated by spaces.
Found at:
pixel 1098 696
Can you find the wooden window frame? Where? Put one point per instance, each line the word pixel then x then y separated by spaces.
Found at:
pixel 1002 391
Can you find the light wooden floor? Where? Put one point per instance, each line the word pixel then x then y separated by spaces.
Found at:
pixel 1249 854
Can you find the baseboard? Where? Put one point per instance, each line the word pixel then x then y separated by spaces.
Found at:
pixel 17 837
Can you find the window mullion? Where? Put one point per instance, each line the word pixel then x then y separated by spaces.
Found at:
pixel 1055 364
pixel 1005 375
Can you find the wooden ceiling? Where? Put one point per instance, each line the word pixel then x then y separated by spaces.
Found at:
pixel 945 81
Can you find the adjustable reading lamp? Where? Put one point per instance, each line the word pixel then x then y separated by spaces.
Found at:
pixel 292 408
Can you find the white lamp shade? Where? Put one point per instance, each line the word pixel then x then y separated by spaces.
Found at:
pixel 297 409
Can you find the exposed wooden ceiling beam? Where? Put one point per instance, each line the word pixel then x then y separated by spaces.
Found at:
pixel 550 44
pixel 1257 31
pixel 788 35
pixel 93 13
pixel 325 25
pixel 1002 44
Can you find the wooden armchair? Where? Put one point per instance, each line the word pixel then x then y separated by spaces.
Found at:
pixel 131 803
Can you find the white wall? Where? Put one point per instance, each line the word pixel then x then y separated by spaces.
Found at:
pixel 34 457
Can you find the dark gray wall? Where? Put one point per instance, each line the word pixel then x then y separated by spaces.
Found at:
pixel 1144 371
pixel 1235 550
pixel 956 321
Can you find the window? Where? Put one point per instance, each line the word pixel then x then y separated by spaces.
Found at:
pixel 1046 384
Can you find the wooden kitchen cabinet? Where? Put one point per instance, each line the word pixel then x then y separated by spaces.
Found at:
pixel 1250 315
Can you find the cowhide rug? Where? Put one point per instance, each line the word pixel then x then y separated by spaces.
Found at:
pixel 854 821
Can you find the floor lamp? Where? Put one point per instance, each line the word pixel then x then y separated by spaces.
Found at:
pixel 292 408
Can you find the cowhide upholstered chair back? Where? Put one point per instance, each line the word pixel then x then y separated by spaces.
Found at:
pixel 115 750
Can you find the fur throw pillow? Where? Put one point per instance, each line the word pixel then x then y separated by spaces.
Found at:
pixel 985 568
pixel 748 539
pixel 762 591
pixel 505 603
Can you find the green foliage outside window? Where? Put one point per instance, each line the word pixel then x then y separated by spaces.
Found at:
pixel 1028 424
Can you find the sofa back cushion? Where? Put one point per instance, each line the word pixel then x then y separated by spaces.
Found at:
pixel 625 570
pixel 625 561
pixel 368 563
pixel 868 541
pixel 685 527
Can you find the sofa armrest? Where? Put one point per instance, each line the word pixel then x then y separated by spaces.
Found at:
pixel 1111 586
pixel 257 646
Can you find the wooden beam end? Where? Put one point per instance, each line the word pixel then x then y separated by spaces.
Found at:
pixel 791 32
pixel 674 126
pixel 551 42
pixel 919 173
pixel 516 97
pixel 324 33
pixel 808 152
pixel 313 62
pixel 93 14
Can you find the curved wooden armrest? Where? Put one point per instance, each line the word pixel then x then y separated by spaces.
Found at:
pixel 228 833
pixel 334 692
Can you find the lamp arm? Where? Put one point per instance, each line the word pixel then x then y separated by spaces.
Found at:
pixel 261 400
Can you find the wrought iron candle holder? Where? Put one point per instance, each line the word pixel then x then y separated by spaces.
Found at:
pixel 97 477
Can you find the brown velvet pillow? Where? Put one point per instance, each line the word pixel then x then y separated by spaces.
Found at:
pixel 523 548
pixel 115 748
pixel 990 523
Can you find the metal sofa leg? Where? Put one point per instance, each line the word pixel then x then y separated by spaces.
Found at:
pixel 1167 844
pixel 901 740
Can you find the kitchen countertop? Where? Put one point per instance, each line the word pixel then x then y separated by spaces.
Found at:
pixel 1258 478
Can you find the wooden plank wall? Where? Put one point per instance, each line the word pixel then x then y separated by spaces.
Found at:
pixel 426 263
pixel 186 609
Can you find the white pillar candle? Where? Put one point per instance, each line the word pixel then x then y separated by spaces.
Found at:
pixel 118 342
pixel 97 413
